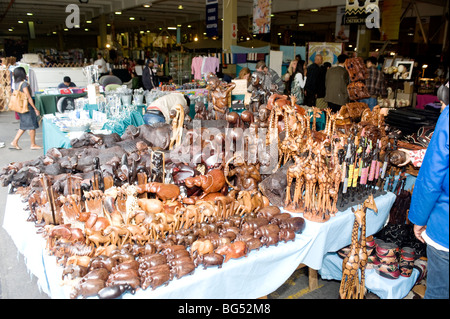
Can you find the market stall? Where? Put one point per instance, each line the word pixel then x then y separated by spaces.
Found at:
pixel 146 208
pixel 53 103
pixel 271 266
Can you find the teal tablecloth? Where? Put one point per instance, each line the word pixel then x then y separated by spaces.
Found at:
pixel 54 137
pixel 46 103
pixel 135 119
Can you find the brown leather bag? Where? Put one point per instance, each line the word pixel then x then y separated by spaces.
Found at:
pixel 357 91
pixel 356 69
pixel 18 101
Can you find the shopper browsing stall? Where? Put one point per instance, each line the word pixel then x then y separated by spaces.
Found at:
pixel 298 83
pixel 149 79
pixel 375 83
pixel 312 82
pixel 429 210
pixel 336 82
pixel 272 81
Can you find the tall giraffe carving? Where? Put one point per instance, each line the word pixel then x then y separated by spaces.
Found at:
pixel 351 287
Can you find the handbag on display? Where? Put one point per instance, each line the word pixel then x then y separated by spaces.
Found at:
pixel 18 101
pixel 356 69
pixel 357 91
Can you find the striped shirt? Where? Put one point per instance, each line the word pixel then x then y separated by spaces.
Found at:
pixel 272 77
pixel 375 82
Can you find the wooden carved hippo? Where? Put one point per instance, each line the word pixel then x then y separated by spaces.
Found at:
pixel 114 292
pixel 87 288
pixel 234 250
pixel 129 264
pixel 183 269
pixel 286 235
pixel 266 230
pixel 149 261
pixel 157 279
pixel 99 273
pixel 210 259
pixel 268 212
pixel 102 262
pixel 296 224
pixel 177 254
pixel 72 271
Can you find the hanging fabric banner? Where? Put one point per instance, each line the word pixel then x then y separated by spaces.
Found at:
pixel 342 31
pixel 262 10
pixel 357 11
pixel 212 16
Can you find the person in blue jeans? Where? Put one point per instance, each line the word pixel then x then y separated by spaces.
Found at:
pixel 430 206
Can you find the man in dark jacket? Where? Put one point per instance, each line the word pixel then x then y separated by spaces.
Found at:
pixel 336 82
pixel 312 78
pixel 149 79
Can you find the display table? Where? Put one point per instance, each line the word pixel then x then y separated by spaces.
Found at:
pixel 383 287
pixel 424 99
pixel 54 137
pixel 47 103
pixel 254 276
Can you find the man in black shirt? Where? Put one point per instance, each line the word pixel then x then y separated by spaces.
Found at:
pixel 149 79
pixel 313 75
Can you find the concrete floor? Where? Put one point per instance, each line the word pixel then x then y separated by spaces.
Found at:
pixel 17 283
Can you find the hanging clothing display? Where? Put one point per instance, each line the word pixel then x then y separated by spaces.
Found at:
pixel 202 65
pixel 196 67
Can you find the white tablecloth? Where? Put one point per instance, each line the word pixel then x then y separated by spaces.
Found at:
pixel 383 287
pixel 254 276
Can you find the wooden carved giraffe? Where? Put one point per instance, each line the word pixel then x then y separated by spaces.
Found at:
pixel 351 287
pixel 368 203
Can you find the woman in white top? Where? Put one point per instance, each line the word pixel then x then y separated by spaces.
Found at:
pixel 299 81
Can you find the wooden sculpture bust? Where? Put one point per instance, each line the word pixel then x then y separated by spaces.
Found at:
pixel 259 95
pixel 220 96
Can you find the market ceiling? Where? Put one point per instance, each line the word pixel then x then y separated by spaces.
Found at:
pixel 50 15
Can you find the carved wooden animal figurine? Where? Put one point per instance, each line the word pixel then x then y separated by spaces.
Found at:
pixel 351 287
pixel 235 250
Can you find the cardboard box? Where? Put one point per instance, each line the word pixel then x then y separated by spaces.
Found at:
pixel 402 97
pixel 408 87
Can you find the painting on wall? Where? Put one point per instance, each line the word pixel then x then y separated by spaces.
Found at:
pixel 329 51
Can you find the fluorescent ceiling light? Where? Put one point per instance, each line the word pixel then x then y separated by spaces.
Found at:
pixel 314 10
pixel 147 5
pixel 20 21
pixel 118 12
pixel 29 14
pixel 180 7
pixel 131 18
pixel 88 21
pixel 301 24
pixel 171 28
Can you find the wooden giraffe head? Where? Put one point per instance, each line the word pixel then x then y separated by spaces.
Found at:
pixel 370 203
pixel 360 215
